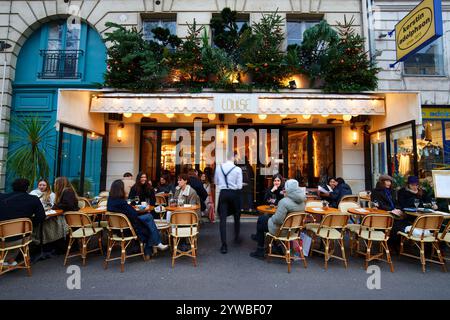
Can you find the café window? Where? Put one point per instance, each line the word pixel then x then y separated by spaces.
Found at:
pixel 427 61
pixel 433 147
pixel 80 155
pixel 402 148
pixel 165 22
pixel 295 28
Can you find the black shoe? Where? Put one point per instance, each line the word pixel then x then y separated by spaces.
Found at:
pixel 223 249
pixel 258 254
pixel 254 238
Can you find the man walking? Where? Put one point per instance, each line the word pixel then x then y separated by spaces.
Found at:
pixel 228 180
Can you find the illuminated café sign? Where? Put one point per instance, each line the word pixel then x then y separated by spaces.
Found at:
pixel 419 28
pixel 435 113
pixel 235 103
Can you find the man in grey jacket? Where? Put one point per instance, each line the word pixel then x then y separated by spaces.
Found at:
pixel 293 201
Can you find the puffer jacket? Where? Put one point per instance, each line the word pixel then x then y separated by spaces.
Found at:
pixel 292 202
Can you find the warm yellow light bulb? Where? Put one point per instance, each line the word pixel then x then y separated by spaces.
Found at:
pixel 211 116
pixel 127 115
pixel 238 114
pixel 146 114
pixel 306 116
pixel 325 115
pixel 262 116
pixel 283 115
pixel 346 117
pixel 170 115
pixel 188 114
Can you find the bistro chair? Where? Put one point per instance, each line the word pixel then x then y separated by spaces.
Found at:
pixel 160 199
pixel 344 206
pixel 102 202
pixel 83 203
pixel 121 231
pixel 427 223
pixel 184 224
pixel 82 229
pixel 103 194
pixel 289 231
pixel 445 237
pixel 362 198
pixel 374 228
pixel 352 198
pixel 330 230
pixel 17 228
pixel 313 203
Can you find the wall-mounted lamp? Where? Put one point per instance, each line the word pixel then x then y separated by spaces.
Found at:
pixel 211 116
pixel 119 132
pixel 354 135
pixel 292 84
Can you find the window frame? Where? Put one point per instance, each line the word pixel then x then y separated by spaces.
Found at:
pixel 302 19
pixel 158 18
pixel 444 73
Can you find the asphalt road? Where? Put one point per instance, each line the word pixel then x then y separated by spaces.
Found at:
pixel 231 276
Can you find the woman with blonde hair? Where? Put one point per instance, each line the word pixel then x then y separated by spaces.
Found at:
pixel 65 195
pixel 44 193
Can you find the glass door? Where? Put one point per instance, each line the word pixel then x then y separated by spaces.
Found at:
pixel 378 155
pixel 72 156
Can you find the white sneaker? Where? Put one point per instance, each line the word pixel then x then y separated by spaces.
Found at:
pixel 162 247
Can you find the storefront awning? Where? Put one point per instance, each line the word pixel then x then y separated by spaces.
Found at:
pixel 244 103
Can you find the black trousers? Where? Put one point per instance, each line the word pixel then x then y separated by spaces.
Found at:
pixel 229 204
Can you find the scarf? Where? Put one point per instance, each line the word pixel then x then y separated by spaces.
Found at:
pixel 389 197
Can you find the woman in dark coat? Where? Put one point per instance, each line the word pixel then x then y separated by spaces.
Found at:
pixel 144 225
pixel 387 200
pixel 143 189
pixel 275 191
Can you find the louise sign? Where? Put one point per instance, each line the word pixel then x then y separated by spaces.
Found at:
pixel 419 28
pixel 235 103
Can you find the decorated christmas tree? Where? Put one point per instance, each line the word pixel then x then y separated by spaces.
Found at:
pixel 349 68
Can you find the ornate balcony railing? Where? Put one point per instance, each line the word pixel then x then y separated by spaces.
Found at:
pixel 60 64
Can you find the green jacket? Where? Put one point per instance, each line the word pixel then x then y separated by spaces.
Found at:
pixel 292 202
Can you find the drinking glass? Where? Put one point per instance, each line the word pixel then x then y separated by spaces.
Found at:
pixel 416 203
pixel 136 200
pixel 180 202
pixel 375 204
pixel 433 203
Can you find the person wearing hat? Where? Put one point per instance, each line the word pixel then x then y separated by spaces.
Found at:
pixel 412 191
pixel 293 201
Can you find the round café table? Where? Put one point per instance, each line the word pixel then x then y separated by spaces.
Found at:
pixel 266 209
pixel 321 210
pixel 366 211
pixel 193 207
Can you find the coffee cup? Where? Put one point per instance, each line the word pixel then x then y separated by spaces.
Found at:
pixel 144 204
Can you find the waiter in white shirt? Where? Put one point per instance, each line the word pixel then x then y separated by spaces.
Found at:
pixel 228 179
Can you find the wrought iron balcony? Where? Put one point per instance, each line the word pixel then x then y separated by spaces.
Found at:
pixel 60 64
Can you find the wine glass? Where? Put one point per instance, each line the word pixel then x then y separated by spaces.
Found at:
pixel 416 203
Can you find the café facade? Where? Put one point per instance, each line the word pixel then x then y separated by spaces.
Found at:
pixel 52 72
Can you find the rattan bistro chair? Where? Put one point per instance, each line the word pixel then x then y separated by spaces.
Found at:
pixel 351 197
pixel 331 229
pixel 427 222
pixel 83 203
pixel 120 231
pixel 445 237
pixel 82 229
pixel 374 228
pixel 12 229
pixel 160 199
pixel 289 231
pixel 184 224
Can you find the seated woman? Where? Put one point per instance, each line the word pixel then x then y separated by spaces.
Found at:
pixel 144 225
pixel 339 189
pixel 44 193
pixel 276 191
pixel 55 229
pixel 387 200
pixel 143 189
pixel 186 193
pixel 293 201
pixel 164 184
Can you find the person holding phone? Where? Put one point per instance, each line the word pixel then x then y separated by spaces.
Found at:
pixel 275 193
